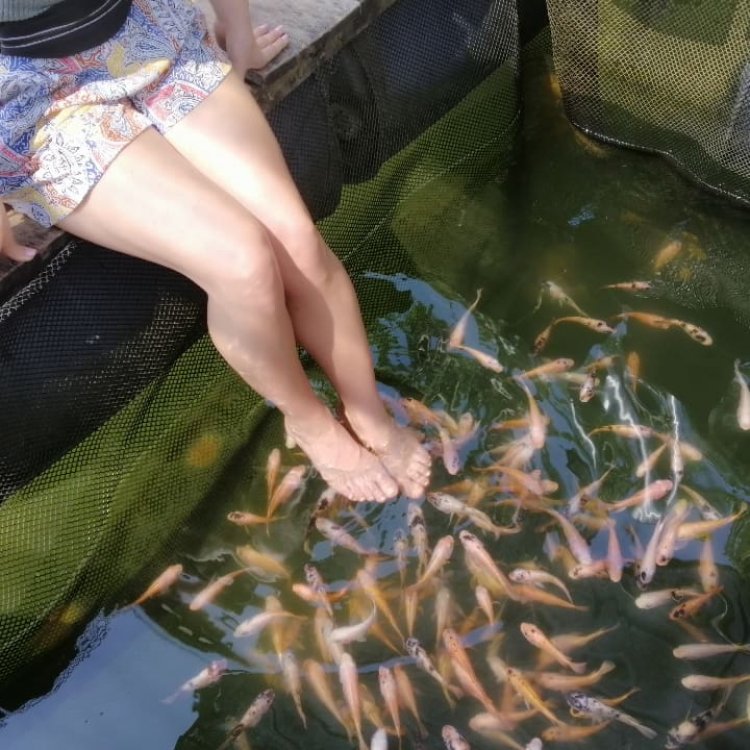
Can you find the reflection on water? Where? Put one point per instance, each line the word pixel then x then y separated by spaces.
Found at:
pixel 582 216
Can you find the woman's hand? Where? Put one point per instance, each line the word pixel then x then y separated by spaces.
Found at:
pixel 8 245
pixel 253 48
pixel 248 47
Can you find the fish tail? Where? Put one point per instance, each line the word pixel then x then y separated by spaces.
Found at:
pixel 642 728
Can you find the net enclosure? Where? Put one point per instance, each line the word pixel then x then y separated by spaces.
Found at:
pixel 668 76
pixel 118 416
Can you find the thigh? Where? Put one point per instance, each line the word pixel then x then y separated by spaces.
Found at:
pixel 152 203
pixel 228 138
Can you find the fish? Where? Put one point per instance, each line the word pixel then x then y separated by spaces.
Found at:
pixel 418 531
pixel 707 511
pixel 695 332
pixel 482 565
pixel 261 564
pixel 587 705
pixel 697 529
pixel 707 568
pixel 350 688
pixel 458 333
pixel 569 733
pixel 593 324
pixel 242 518
pixel 318 680
pixel 389 691
pixel 668 540
pixel 553 367
pixel 464 670
pixel 290 483
pixel 556 293
pixel 207 676
pixel 700 682
pixel 406 696
pixel 400 551
pixel 441 553
pixel 164 581
pixel 369 585
pixel 356 632
pixel 316 583
pixel 526 692
pixel 588 388
pixel 453 739
pixel 652 599
pixel 476 724
pixel 615 561
pixel 586 493
pixel 649 462
pixel 565 683
pixel 260 622
pixel 486 360
pixel 251 718
pixel 657 490
pixel 293 681
pixel 632 431
pixel 537 577
pixel 411 605
pixel 451 459
pixel 709 650
pixel 484 600
pixel 667 253
pixel 273 464
pixel 534 635
pixel 633 369
pixel 379 740
pixel 524 593
pixel 692 606
pixel 743 406
pixel 537 421
pixel 208 593
pixel 578 545
pixel 630 286
pixel 340 537
pixel 422 659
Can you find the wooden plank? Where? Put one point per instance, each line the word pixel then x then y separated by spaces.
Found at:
pixel 317 30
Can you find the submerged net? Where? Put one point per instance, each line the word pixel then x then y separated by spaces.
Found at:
pixel 118 415
pixel 668 77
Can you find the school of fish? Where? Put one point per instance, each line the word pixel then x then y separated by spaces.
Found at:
pixel 399 594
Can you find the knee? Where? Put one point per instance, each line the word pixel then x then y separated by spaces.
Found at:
pixel 244 267
pixel 308 257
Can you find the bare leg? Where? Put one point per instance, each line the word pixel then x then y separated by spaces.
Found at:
pixel 229 140
pixel 178 218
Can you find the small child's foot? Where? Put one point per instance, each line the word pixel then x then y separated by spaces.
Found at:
pixel 344 464
pixel 402 454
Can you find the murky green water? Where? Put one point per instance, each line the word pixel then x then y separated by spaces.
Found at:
pixel 573 212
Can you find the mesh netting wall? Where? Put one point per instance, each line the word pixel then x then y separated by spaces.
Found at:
pixel 118 416
pixel 669 77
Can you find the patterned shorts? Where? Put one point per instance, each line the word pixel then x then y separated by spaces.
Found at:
pixel 64 120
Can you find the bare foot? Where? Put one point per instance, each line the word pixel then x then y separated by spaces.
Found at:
pixel 402 454
pixel 344 464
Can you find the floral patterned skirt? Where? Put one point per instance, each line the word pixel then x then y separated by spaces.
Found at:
pixel 64 120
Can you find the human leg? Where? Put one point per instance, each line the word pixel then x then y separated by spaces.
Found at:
pixel 153 204
pixel 228 139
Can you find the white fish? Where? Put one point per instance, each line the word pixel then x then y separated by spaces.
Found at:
pixel 599 712
pixel 355 632
pixel 453 739
pixel 379 740
pixel 708 650
pixel 743 407
pixel 205 677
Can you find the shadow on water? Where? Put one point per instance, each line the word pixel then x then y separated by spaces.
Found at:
pixel 569 211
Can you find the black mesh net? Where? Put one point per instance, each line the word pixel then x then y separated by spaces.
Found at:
pixel 118 415
pixel 668 77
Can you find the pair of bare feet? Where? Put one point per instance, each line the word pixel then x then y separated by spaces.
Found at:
pixel 387 459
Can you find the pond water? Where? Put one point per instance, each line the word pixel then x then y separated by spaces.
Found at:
pixel 568 211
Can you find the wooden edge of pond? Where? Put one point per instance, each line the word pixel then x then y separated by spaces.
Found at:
pixel 317 30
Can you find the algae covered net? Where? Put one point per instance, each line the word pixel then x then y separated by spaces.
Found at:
pixel 666 76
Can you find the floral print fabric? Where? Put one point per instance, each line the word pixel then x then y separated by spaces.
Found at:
pixel 63 120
